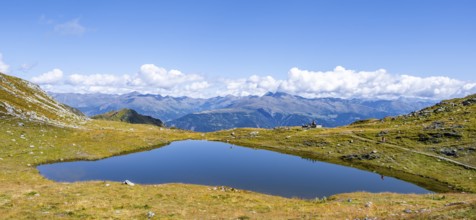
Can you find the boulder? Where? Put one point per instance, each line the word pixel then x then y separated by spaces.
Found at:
pixel 127 182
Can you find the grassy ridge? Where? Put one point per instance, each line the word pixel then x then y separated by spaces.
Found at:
pixel 129 116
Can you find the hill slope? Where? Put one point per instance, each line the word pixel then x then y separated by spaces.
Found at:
pixel 25 100
pixel 129 116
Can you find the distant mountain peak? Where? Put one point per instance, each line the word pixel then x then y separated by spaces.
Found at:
pixel 276 94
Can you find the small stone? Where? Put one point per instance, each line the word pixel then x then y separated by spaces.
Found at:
pixel 374 151
pixel 32 146
pixel 127 182
pixel 368 204
pixel 61 159
pixel 107 184
pixel 407 211
pixel 150 214
pixel 29 165
pixel 349 200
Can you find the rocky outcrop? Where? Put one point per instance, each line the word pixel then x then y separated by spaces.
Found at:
pixel 27 101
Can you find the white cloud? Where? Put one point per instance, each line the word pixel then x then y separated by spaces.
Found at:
pixel 345 83
pixel 152 75
pixel 97 80
pixel 52 77
pixel 72 27
pixel 339 83
pixel 3 66
pixel 197 86
pixel 254 85
pixel 149 79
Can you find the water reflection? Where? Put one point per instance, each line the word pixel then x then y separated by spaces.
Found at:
pixel 215 163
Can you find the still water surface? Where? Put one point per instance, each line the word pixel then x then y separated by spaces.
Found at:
pixel 216 164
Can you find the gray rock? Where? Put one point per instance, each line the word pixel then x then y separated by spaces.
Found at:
pixel 150 214
pixel 436 125
pixel 368 204
pixel 452 152
pixel 469 102
pixel 127 182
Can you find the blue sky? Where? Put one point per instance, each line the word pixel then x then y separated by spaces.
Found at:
pixel 220 44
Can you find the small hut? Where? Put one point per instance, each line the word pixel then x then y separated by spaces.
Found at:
pixel 313 124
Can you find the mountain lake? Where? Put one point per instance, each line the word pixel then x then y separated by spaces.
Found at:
pixel 223 164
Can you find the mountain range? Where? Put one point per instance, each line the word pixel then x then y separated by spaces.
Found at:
pixel 267 111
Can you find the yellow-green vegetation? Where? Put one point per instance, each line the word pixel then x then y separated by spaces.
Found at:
pixel 404 152
pixel 26 194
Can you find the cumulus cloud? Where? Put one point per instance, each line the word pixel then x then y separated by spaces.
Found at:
pixel 338 83
pixel 72 27
pixel 345 83
pixel 52 77
pixel 254 85
pixel 152 75
pixel 3 66
pixel 97 80
pixel 149 79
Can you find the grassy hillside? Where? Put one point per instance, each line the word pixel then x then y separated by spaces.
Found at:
pixel 129 116
pixel 26 142
pixel 22 99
